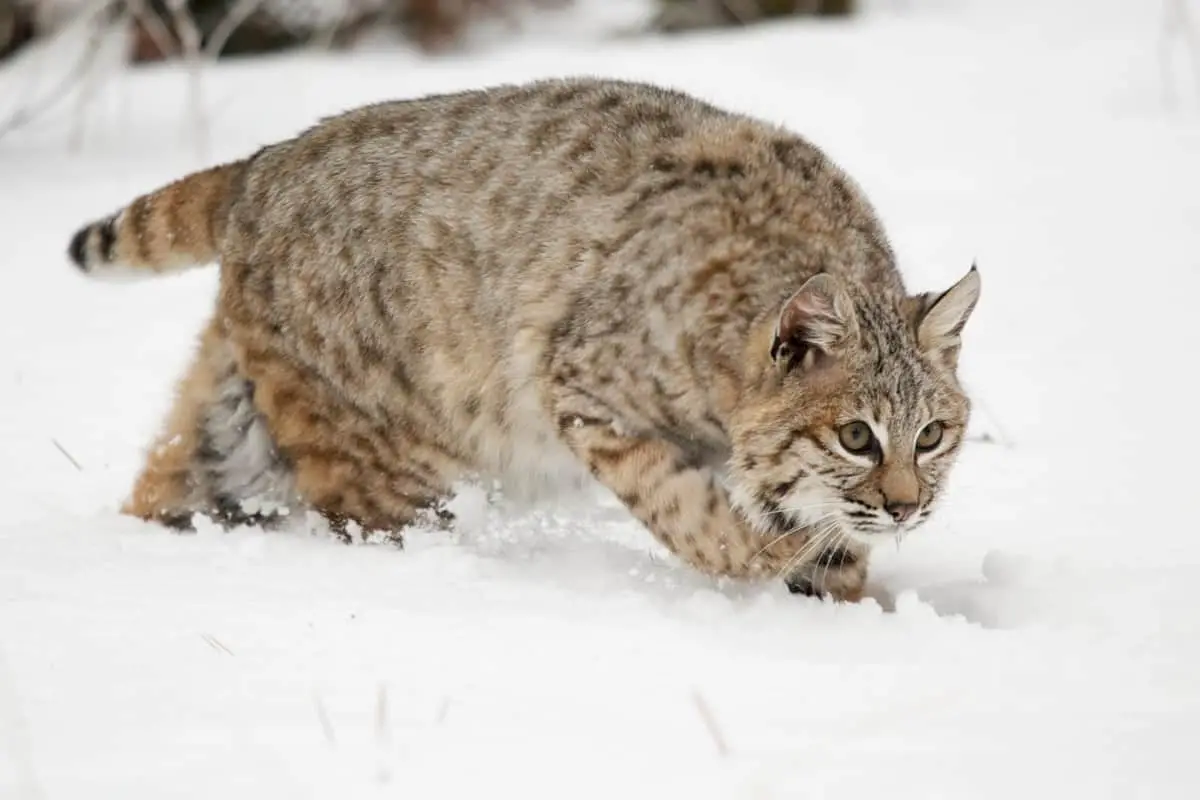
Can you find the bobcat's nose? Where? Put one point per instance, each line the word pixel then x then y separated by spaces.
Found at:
pixel 901 512
pixel 901 491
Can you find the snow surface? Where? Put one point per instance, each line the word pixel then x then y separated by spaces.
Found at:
pixel 1040 638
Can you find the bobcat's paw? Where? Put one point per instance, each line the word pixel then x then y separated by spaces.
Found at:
pixel 838 573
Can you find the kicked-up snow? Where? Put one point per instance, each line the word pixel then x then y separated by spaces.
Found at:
pixel 1039 638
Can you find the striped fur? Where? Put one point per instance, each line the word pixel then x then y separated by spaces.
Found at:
pixel 552 283
pixel 174 228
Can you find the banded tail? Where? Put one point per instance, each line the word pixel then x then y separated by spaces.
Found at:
pixel 177 227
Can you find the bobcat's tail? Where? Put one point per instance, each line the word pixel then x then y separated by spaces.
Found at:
pixel 172 229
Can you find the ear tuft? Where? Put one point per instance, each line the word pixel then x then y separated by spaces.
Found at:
pixel 942 319
pixel 814 321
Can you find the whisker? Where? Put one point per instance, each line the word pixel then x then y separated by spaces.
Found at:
pixel 776 541
pixel 842 536
pixel 793 510
pixel 831 534
pixel 808 507
pixel 822 533
pixel 820 547
pixel 782 536
pixel 787 533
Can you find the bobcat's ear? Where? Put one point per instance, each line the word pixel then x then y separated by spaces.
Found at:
pixel 940 318
pixel 813 323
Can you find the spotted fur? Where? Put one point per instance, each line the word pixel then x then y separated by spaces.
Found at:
pixel 553 281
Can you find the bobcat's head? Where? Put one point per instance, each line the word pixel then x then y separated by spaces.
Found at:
pixel 852 419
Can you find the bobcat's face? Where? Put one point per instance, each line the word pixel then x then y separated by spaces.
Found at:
pixel 859 418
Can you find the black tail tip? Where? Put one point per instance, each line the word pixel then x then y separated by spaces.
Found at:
pixel 78 248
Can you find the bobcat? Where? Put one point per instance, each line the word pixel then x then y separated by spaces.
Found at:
pixel 608 278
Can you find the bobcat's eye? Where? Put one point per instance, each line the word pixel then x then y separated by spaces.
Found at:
pixel 929 437
pixel 856 437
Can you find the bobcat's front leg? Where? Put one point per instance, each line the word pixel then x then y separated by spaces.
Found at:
pixel 682 505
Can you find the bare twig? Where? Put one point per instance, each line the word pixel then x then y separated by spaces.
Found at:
pixel 86 94
pixel 66 455
pixel 710 724
pixel 742 10
pixel 27 112
pixel 359 14
pixel 241 11
pixel 152 23
pixel 189 38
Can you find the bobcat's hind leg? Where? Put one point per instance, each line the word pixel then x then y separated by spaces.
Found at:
pixel 167 490
pixel 215 455
pixel 380 472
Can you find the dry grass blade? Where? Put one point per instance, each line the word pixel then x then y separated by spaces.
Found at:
pixel 215 644
pixel 323 719
pixel 442 711
pixel 710 724
pixel 67 455
pixel 382 725
pixel 14 738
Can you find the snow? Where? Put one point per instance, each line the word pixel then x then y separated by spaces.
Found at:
pixel 1040 637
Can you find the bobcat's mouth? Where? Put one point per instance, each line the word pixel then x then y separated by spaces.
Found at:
pixel 874 529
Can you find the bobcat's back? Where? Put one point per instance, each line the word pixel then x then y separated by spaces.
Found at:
pixel 443 247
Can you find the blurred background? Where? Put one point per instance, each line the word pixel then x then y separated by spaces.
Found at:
pixel 55 53
pixel 163 29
